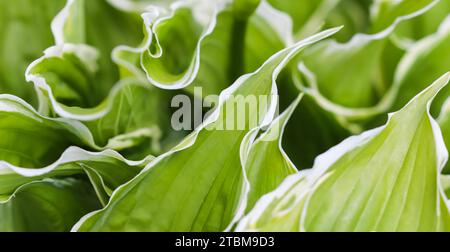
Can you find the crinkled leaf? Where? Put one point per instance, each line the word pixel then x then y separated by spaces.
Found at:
pixel 33 146
pixel 425 24
pixel 20 123
pixel 199 185
pixel 384 13
pixel 356 83
pixel 183 47
pixel 70 83
pixel 426 60
pixel 78 71
pixel 310 16
pixel 47 205
pixel 386 179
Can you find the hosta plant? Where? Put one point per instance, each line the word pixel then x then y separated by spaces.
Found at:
pixel 224 115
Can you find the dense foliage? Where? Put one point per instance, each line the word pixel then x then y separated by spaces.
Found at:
pixel 87 141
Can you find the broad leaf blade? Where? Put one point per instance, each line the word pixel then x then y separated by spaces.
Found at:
pixel 198 185
pixel 266 164
pixel 376 181
pixel 47 205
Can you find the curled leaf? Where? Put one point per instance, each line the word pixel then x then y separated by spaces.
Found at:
pixel 380 180
pixel 199 185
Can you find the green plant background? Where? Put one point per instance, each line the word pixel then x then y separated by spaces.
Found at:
pixel 86 142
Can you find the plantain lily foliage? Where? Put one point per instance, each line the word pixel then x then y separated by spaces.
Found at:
pixel 224 115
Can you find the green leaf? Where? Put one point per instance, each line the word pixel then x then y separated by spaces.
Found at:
pixel 199 185
pixel 425 61
pixel 112 168
pixel 311 130
pixel 34 147
pixel 47 205
pixel 386 179
pixel 423 25
pixel 65 85
pixel 266 164
pixel 22 21
pixel 139 6
pixel 31 140
pixel 279 210
pixel 129 116
pixel 311 16
pixel 444 123
pixel 133 119
pixel 357 81
pixel 384 13
pixel 186 50
pixel 445 181
pixel 78 71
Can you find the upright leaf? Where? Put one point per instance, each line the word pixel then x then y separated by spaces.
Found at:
pixel 266 164
pixel 198 186
pixel 386 179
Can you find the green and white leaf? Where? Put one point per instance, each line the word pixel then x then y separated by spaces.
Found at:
pixel 425 61
pixel 445 180
pixel 310 16
pixel 424 25
pixel 200 184
pixel 356 83
pixel 46 205
pixel 78 71
pixel 265 162
pixel 204 51
pixel 386 179
pixel 34 147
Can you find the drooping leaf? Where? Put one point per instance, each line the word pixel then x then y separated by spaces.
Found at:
pixel 31 140
pixel 47 205
pixel 33 146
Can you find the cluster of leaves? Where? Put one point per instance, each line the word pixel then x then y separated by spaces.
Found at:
pixel 86 142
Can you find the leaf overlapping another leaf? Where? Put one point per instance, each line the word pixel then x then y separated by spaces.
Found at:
pixel 354 83
pixel 34 147
pixel 184 49
pixel 163 196
pixel 375 181
pixel 85 155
